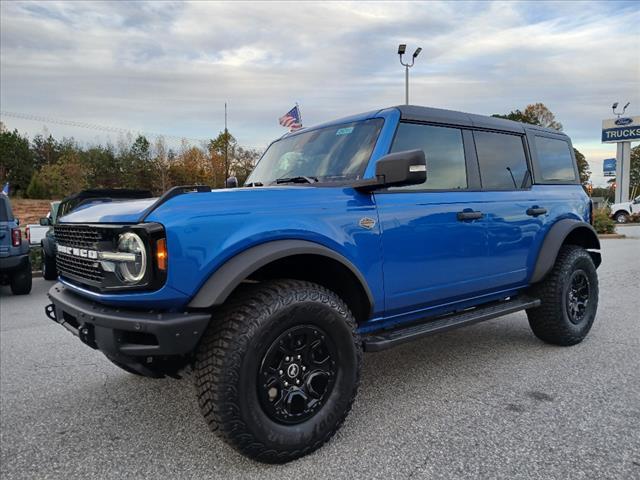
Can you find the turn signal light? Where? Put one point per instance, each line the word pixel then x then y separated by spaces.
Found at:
pixel 161 254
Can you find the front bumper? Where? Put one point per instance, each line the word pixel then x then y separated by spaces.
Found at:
pixel 120 332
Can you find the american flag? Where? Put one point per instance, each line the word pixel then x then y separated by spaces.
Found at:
pixel 291 119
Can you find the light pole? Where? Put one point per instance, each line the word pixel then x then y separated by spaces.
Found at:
pixel 402 48
pixel 624 109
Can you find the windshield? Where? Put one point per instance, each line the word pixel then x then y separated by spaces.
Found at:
pixel 335 153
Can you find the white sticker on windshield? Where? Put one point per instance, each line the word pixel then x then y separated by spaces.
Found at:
pixel 344 131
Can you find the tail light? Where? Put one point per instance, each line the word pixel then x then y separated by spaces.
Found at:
pixel 16 237
pixel 27 234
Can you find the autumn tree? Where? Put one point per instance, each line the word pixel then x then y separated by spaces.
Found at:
pixel 16 163
pixel 244 161
pixel 161 163
pixel 634 177
pixel 191 167
pixel 221 153
pixel 583 166
pixel 57 180
pixel 539 114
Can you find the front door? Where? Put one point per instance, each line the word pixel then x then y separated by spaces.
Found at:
pixel 434 241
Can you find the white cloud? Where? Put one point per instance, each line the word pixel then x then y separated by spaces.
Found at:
pixel 170 66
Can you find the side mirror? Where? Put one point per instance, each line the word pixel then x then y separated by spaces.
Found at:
pixel 17 220
pixel 397 170
pixel 232 182
pixel 44 221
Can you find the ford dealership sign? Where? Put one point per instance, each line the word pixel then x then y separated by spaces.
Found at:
pixel 623 129
pixel 623 121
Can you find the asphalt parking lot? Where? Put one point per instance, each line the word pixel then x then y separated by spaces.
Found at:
pixel 488 401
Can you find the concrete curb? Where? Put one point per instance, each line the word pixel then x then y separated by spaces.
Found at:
pixel 611 235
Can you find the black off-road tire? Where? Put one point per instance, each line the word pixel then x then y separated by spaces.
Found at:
pixel 49 269
pixel 21 280
pixel 230 361
pixel 551 321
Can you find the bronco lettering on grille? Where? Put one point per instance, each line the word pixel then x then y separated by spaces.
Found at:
pixel 78 252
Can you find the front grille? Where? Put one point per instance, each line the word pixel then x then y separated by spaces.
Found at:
pixel 84 270
pixel 80 268
pixel 80 236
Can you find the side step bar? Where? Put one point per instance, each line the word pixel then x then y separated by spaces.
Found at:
pixel 385 339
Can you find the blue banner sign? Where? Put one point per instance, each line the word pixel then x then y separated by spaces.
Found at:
pixel 623 129
pixel 609 167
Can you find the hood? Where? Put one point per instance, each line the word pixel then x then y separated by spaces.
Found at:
pixel 228 202
pixel 116 211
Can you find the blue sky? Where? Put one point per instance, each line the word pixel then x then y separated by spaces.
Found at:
pixel 169 67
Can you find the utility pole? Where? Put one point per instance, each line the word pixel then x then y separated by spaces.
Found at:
pixel 402 48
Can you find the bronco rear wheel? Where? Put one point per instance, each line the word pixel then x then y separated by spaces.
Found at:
pixel 278 369
pixel 569 295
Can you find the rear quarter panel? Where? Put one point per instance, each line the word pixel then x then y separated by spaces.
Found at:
pixel 561 202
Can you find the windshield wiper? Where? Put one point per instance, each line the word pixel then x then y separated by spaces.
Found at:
pixel 300 179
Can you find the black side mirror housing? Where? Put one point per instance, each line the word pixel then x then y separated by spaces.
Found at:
pixel 44 221
pixel 232 182
pixel 396 170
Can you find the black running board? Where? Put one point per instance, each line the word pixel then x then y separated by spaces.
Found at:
pixel 379 341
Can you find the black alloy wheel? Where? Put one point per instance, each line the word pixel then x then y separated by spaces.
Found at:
pixel 297 374
pixel 577 298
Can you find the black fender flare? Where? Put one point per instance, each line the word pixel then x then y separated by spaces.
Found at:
pixel 227 277
pixel 584 235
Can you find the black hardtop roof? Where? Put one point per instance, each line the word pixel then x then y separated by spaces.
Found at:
pixel 439 115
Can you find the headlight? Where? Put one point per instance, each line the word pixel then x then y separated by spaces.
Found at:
pixel 132 271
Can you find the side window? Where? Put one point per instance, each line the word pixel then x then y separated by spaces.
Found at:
pixel 502 161
pixel 555 162
pixel 444 150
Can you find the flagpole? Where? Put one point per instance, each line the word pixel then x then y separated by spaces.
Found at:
pixel 299 113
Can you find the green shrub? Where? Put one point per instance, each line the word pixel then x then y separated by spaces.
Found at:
pixel 602 222
pixel 36 258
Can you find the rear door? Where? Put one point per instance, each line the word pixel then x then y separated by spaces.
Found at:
pixel 514 214
pixel 431 254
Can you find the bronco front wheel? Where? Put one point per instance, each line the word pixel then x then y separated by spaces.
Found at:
pixel 278 369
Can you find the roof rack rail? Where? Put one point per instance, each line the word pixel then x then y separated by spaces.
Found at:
pixel 173 192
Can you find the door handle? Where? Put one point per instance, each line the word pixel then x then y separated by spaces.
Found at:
pixel 535 211
pixel 469 215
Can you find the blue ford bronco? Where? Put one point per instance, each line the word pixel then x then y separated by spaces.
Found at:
pixel 356 235
pixel 15 265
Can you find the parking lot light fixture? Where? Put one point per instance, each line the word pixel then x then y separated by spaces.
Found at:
pixel 402 48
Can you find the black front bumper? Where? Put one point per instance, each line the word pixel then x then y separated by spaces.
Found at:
pixel 122 332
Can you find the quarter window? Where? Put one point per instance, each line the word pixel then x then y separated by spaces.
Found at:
pixel 555 163
pixel 502 162
pixel 444 150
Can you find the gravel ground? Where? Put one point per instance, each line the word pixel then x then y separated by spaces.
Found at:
pixel 488 401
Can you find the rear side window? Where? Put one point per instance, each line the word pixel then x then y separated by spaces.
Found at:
pixel 555 163
pixel 502 161
pixel 444 150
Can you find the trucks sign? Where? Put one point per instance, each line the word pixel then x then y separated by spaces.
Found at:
pixel 623 129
